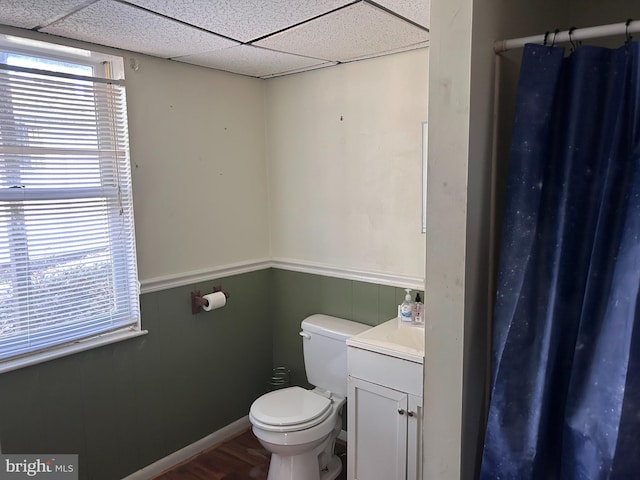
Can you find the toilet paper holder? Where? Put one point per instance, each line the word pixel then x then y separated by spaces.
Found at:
pixel 197 301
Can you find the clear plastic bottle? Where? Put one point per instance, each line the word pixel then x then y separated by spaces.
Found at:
pixel 406 307
pixel 418 311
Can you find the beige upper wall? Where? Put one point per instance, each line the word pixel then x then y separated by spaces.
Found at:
pixel 197 150
pixel 344 155
pixel 344 192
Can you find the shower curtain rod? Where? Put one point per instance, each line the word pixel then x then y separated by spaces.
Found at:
pixel 577 34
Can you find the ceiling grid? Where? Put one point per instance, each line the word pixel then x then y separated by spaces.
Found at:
pixel 258 38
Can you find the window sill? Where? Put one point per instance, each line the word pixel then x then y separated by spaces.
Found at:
pixel 63 351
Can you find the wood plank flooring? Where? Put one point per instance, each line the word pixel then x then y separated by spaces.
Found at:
pixel 240 458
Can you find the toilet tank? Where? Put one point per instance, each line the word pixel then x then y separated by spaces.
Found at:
pixel 324 342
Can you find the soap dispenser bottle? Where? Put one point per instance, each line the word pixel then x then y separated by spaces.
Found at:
pixel 406 307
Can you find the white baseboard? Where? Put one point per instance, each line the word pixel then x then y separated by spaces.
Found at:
pixel 189 451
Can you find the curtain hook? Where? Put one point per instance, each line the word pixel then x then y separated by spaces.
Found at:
pixel 546 37
pixel 573 45
pixel 626 30
pixel 553 42
pixel 577 43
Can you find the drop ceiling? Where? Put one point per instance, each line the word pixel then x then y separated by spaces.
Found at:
pixel 259 38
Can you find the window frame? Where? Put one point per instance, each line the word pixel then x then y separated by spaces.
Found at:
pixel 109 68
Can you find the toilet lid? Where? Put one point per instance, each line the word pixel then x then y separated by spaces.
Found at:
pixel 290 406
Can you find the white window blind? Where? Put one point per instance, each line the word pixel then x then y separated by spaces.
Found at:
pixel 67 247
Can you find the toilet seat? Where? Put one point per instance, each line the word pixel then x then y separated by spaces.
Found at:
pixel 290 409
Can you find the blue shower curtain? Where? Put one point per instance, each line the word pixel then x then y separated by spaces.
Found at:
pixel 565 386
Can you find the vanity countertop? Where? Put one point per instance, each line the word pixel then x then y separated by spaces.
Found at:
pixel 390 338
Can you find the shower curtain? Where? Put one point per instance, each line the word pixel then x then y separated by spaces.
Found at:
pixel 565 386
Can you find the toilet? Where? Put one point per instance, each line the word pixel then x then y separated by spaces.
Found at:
pixel 298 426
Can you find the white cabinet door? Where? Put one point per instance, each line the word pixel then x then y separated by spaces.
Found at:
pixel 414 438
pixel 377 432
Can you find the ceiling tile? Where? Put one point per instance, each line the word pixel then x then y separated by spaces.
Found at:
pixel 414 10
pixel 32 13
pixel 352 32
pixel 242 20
pixel 248 60
pixel 130 28
pixel 327 31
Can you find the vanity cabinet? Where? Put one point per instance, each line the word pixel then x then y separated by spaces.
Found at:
pixel 383 432
pixel 384 413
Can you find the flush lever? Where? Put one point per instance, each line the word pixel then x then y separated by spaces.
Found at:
pixel 305 335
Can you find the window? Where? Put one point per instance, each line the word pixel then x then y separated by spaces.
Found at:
pixel 67 249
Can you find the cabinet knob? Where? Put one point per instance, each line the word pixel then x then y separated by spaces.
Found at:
pixel 401 411
pixel 410 413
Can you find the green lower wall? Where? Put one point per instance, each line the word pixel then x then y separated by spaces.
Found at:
pixel 123 406
pixel 298 295
pixel 126 405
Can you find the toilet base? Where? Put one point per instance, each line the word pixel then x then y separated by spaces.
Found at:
pixel 293 467
pixel 303 466
pixel 333 469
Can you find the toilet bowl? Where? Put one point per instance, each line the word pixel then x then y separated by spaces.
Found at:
pixel 299 426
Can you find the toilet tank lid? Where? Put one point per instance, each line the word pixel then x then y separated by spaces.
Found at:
pixel 332 327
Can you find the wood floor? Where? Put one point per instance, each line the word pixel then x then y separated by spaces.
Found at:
pixel 241 458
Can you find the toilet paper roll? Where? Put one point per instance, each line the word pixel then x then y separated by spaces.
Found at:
pixel 215 300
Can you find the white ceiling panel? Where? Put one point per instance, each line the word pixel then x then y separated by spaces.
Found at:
pixel 242 20
pixel 118 25
pixel 414 10
pixel 352 32
pixel 297 35
pixel 33 13
pixel 252 61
